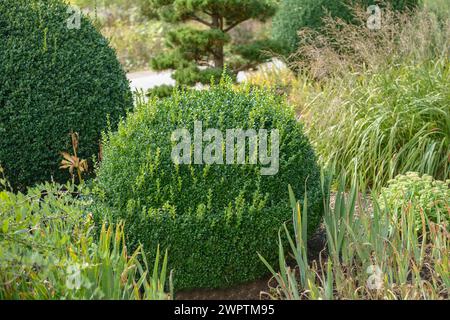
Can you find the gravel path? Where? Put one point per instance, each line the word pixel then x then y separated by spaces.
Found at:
pixel 144 80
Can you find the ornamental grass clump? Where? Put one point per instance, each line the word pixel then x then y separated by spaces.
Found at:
pixel 386 124
pixel 213 218
pixel 294 16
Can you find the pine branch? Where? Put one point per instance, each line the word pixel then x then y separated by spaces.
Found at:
pixel 233 25
pixel 196 18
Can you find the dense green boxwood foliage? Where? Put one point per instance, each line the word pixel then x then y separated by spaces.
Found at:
pixel 53 80
pixel 294 15
pixel 213 218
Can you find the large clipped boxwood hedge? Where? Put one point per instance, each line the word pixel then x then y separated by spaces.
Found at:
pixel 294 15
pixel 213 219
pixel 53 80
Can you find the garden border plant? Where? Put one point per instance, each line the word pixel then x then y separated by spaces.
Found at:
pixel 372 252
pixel 51 248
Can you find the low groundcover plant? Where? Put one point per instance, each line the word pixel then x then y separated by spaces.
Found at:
pixel 428 198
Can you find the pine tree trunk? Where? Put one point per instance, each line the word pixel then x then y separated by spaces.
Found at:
pixel 218 51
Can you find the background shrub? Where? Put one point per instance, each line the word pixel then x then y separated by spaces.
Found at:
pixel 418 194
pixel 294 15
pixel 213 218
pixel 53 80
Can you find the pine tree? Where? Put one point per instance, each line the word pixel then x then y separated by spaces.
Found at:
pixel 201 45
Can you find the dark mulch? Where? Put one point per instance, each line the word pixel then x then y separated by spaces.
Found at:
pixel 246 291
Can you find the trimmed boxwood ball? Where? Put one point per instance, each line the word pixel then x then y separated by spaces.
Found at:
pixel 53 80
pixel 215 218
